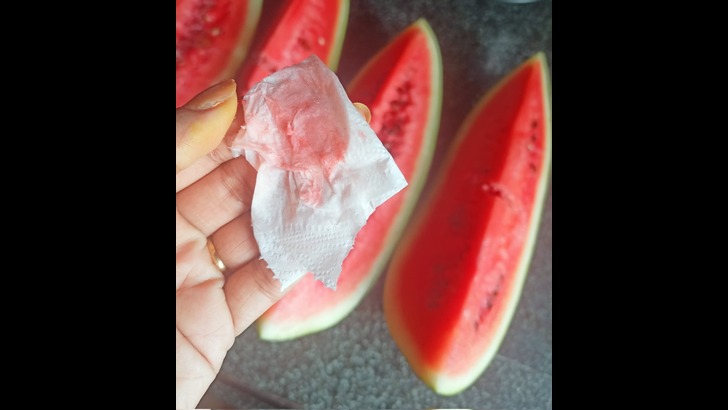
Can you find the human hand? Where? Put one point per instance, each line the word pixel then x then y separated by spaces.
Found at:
pixel 214 194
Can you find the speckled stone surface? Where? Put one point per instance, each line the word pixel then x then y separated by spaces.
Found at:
pixel 356 364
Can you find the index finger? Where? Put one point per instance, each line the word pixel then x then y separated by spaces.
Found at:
pixel 250 291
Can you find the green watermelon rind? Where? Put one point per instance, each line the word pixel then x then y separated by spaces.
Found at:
pixel 267 330
pixel 245 38
pixel 444 384
pixel 339 36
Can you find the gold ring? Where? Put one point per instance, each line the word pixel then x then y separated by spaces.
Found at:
pixel 213 255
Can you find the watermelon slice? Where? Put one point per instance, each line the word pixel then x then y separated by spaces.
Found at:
pixel 302 28
pixel 454 283
pixel 212 40
pixel 402 85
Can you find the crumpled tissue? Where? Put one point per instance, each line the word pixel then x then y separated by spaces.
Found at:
pixel 321 171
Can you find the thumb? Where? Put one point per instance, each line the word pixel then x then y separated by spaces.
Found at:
pixel 202 122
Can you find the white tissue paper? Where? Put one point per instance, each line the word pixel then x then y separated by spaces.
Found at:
pixel 321 171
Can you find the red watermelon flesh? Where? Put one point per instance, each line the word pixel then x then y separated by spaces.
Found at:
pixel 301 28
pixel 402 86
pixel 454 283
pixel 212 40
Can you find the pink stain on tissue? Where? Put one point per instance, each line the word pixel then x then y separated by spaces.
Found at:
pixel 296 120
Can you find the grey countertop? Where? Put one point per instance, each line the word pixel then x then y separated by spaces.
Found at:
pixel 356 363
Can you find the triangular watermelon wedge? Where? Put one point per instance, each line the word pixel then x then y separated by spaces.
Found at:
pixel 455 281
pixel 402 85
pixel 301 28
pixel 212 40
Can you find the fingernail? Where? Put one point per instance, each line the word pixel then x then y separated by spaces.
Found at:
pixel 364 111
pixel 213 96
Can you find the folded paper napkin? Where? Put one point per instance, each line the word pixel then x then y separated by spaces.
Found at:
pixel 321 171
